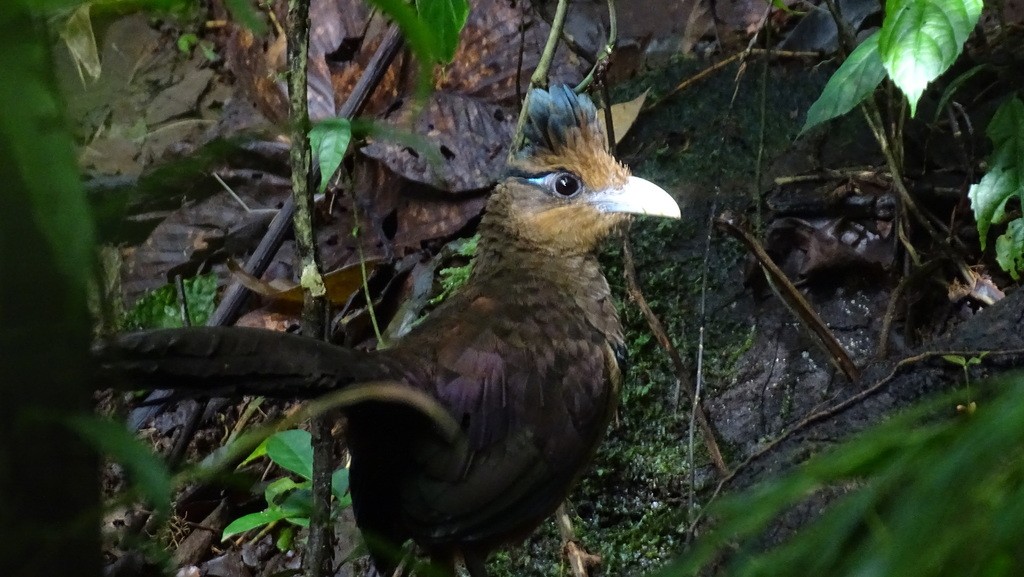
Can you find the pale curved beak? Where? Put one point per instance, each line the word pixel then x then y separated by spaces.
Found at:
pixel 637 196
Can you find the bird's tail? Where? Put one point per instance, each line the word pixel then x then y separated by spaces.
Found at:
pixel 229 361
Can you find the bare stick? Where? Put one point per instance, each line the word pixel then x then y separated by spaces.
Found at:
pixel 707 433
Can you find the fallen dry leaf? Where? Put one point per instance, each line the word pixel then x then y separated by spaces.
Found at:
pixel 624 115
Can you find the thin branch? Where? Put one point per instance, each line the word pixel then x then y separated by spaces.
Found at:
pixel 540 74
pixel 698 387
pixel 318 557
pixel 601 62
pixel 791 297
pixel 682 375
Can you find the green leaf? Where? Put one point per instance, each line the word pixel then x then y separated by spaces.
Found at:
pixel 148 471
pixel 920 39
pixel 988 198
pixel 1006 130
pixel 1010 248
pixel 417 35
pixel 281 486
pixel 256 453
pixel 186 42
pixel 446 18
pixel 956 360
pixel 339 487
pixel 858 77
pixel 251 521
pixel 292 450
pixel 298 505
pixel 244 12
pixel 285 539
pixel 329 140
pixel 160 309
pixel 1004 179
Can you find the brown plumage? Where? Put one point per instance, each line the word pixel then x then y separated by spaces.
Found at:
pixel 525 357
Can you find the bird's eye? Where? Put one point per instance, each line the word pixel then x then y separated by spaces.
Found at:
pixel 567 184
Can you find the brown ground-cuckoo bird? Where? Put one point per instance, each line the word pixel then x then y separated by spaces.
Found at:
pixel 526 357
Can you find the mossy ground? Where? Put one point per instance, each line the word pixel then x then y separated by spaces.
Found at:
pixel 631 505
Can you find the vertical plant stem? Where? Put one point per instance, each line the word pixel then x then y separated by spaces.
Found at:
pixel 317 561
pixel 540 74
pixel 606 52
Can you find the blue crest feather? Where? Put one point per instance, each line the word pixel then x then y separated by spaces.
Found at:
pixel 554 115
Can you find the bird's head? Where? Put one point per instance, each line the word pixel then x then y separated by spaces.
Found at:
pixel 564 191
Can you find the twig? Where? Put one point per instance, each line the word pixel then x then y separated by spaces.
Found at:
pixel 602 57
pixel 540 74
pixel 317 559
pixel 692 498
pixel 722 64
pixel 707 433
pixel 791 297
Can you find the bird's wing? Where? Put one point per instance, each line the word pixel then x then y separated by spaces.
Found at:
pixel 527 391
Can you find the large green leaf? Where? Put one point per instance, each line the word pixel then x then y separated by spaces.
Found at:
pixel 858 77
pixel 1004 179
pixel 1006 130
pixel 446 18
pixel 292 450
pixel 920 39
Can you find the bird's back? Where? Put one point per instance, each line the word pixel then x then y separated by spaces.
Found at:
pixel 526 360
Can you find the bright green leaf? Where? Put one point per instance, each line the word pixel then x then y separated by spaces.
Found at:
pixel 148 471
pixel 858 77
pixel 955 359
pixel 920 39
pixel 281 486
pixel 186 42
pixel 252 521
pixel 329 140
pixel 292 450
pixel 285 539
pixel 244 12
pixel 417 35
pixel 256 453
pixel 1006 130
pixel 1004 179
pixel 446 18
pixel 161 308
pixel 1010 248
pixel 988 198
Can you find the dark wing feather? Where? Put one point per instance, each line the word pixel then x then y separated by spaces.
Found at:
pixel 529 382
